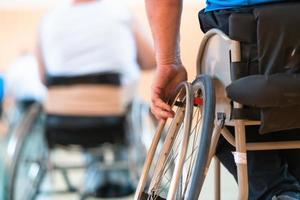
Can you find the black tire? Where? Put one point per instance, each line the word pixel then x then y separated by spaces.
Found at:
pixel 203 84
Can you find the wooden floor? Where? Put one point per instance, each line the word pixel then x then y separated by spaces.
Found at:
pixel 55 181
pixel 229 188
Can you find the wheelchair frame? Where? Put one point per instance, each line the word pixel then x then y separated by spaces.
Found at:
pixel 22 131
pixel 15 146
pixel 215 55
pixel 223 107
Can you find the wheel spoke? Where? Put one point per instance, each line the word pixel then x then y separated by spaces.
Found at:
pixel 168 163
pixel 195 133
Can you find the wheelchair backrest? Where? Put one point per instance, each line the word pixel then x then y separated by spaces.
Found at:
pixel 274 30
pixel 86 110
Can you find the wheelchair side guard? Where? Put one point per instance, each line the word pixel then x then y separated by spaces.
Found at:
pixel 214 60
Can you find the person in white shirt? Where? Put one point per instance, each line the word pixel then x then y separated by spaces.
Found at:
pixel 86 37
pixel 92 36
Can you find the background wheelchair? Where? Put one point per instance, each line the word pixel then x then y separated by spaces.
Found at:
pixel 226 94
pixel 29 151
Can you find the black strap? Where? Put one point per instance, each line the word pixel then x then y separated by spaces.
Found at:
pixel 246 113
pixel 110 78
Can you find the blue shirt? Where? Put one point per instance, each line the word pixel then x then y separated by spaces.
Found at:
pixel 1 88
pixel 226 4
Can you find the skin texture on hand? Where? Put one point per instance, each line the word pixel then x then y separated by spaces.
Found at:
pixel 166 80
pixel 164 17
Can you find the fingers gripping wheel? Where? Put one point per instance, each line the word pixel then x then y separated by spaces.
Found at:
pixel 179 171
pixel 161 174
pixel 172 175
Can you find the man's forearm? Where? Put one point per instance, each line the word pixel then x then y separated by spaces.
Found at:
pixel 164 17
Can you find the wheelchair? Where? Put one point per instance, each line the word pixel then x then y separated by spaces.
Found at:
pixel 25 154
pixel 44 129
pixel 229 92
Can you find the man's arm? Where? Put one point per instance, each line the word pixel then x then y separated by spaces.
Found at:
pixel 164 17
pixel 145 50
pixel 40 57
pixel 41 63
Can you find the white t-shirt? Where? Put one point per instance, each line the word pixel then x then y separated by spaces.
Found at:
pixel 87 38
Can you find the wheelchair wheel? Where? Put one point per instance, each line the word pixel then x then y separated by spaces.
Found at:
pixel 188 182
pixel 142 126
pixel 201 134
pixel 26 159
pixel 161 178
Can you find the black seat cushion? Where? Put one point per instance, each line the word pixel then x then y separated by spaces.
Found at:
pixel 85 131
pixel 277 90
pixel 277 95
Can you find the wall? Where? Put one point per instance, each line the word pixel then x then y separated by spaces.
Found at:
pixel 19 24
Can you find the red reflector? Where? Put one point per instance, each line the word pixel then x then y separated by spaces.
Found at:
pixel 198 101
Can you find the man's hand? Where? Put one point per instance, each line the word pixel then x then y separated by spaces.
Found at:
pixel 164 17
pixel 167 78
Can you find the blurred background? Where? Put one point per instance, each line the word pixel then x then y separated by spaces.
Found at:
pixel 20 20
pixel 38 160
